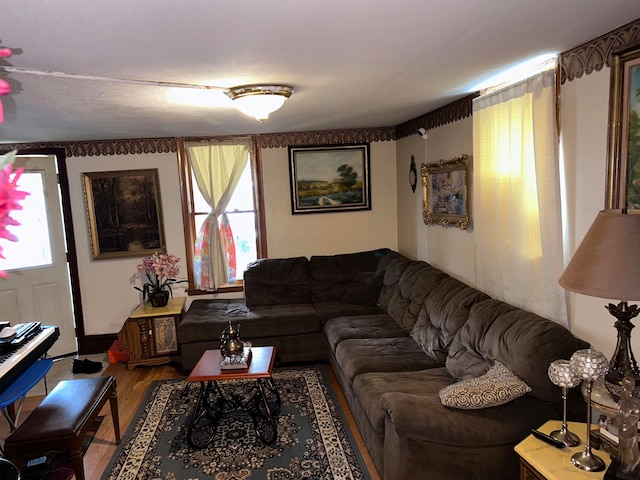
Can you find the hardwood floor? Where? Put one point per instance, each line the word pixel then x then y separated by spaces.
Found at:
pixel 132 387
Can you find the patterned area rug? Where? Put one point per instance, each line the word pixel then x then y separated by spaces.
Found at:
pixel 313 439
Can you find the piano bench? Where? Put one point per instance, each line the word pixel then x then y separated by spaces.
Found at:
pixel 62 420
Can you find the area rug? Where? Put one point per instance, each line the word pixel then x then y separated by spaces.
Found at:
pixel 313 442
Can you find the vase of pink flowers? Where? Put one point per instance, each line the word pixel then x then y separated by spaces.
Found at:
pixel 159 272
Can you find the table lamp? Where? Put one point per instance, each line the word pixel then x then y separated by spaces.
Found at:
pixel 607 265
pixel 565 377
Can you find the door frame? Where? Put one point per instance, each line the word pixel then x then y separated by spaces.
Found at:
pixel 72 257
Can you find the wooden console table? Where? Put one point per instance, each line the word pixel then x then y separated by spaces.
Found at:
pixel 149 335
pixel 541 461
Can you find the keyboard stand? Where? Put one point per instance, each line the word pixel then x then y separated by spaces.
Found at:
pixel 20 387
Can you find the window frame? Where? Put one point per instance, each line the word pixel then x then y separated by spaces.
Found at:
pixel 188 214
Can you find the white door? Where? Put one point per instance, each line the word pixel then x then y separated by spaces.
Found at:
pixel 37 287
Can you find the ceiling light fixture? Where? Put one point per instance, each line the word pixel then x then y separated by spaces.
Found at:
pixel 259 100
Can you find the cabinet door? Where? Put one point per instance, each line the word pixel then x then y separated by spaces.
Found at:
pixel 165 339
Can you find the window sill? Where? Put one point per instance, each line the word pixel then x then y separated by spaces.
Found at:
pixel 226 288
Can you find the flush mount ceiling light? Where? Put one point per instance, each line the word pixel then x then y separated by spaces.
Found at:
pixel 259 100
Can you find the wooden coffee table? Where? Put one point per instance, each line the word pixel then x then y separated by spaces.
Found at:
pixel 220 394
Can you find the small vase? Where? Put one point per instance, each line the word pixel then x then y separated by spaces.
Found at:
pixel 159 299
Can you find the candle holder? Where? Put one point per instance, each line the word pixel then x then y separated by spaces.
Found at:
pixel 562 375
pixel 589 365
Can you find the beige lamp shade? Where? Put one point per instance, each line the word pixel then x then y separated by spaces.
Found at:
pixel 607 262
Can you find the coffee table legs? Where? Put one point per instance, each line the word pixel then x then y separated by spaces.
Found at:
pixel 268 405
pixel 205 418
pixel 261 401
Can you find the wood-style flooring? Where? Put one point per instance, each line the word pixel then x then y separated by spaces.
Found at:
pixel 132 387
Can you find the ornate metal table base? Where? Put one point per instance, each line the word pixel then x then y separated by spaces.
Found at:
pixel 260 400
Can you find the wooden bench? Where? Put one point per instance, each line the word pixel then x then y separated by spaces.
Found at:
pixel 62 420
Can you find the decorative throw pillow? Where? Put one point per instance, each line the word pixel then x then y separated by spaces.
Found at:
pixel 496 387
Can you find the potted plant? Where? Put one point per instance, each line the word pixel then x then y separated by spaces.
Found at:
pixel 160 270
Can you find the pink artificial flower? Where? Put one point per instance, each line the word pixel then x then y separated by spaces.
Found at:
pixel 9 198
pixel 5 88
pixel 160 270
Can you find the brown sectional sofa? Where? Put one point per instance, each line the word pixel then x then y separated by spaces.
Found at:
pixel 396 332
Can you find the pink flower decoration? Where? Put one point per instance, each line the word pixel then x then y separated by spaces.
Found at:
pixel 5 88
pixel 9 198
pixel 160 270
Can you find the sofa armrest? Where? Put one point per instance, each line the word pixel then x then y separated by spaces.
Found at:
pixel 424 418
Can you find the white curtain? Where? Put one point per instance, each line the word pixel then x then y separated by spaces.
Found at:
pixel 218 166
pixel 516 196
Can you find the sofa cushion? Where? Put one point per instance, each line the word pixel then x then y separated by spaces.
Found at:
pixel 206 319
pixel 404 302
pixel 444 312
pixel 362 355
pixel 496 387
pixel 363 326
pixel 272 281
pixel 522 341
pixel 329 310
pixel 368 388
pixel 348 278
pixel 423 418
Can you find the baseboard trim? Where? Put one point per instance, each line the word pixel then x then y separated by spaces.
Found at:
pixel 96 343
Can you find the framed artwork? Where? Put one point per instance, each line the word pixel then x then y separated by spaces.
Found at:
pixel 329 178
pixel 445 193
pixel 124 214
pixel 623 168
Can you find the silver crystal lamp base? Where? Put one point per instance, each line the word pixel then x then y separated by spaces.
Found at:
pixel 588 461
pixel 570 439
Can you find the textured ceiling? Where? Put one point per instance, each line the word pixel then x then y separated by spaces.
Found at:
pixel 352 63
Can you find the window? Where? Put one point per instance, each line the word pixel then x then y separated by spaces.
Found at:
pixel 34 248
pixel 517 220
pixel 222 194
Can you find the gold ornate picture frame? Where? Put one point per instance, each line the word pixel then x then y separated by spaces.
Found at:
pixel 445 193
pixel 124 213
pixel 623 165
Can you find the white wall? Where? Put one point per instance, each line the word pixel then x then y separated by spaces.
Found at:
pixel 410 225
pixel 584 126
pixel 448 248
pixel 330 233
pixel 108 296
pixel 584 120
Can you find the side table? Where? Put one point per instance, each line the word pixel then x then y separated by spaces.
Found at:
pixel 541 461
pixel 149 335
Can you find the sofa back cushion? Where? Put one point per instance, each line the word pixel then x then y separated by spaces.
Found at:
pixel 274 281
pixel 522 341
pixel 404 299
pixel 444 312
pixel 348 278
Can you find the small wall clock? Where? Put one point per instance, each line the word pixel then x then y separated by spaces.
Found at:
pixel 413 174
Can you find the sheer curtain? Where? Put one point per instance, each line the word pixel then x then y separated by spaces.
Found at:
pixel 218 166
pixel 517 211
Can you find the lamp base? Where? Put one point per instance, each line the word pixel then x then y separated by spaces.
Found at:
pixel 570 439
pixel 623 363
pixel 588 461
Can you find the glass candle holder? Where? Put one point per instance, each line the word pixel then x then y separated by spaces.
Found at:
pixel 562 375
pixel 589 365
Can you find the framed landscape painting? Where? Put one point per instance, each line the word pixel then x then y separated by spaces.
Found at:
pixel 623 169
pixel 123 213
pixel 445 193
pixel 329 178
